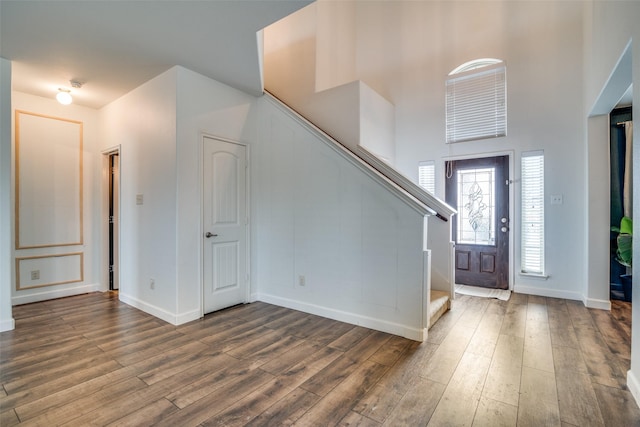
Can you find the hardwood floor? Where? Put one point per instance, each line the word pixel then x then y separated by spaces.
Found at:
pixel 531 361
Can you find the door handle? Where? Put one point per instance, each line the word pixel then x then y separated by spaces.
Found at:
pixel 209 234
pixel 504 229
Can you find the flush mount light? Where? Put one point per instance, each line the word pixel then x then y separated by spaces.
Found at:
pixel 64 96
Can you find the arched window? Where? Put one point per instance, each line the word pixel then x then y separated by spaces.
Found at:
pixel 477 100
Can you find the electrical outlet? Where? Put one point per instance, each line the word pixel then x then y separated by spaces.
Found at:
pixel 35 274
pixel 139 199
pixel 152 284
pixel 556 199
pixel 301 281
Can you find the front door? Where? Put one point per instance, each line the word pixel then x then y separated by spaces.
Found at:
pixel 225 224
pixel 479 189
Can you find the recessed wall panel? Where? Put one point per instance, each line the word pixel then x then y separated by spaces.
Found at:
pixel 49 270
pixel 48 181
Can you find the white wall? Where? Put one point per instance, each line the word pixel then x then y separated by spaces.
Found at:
pixel 312 212
pixel 377 124
pixel 91 203
pixel 609 28
pixel 540 43
pixel 6 242
pixel 358 247
pixel 159 128
pixel 143 124
pixel 405 50
pixel 204 106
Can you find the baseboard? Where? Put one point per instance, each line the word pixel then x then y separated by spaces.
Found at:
pixel 7 325
pixel 547 292
pixel 187 317
pixel 253 297
pixel 162 314
pixel 415 334
pixel 43 294
pixel 634 386
pixel 597 303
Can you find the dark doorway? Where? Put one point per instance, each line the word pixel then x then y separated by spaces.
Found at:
pixel 114 198
pixel 620 286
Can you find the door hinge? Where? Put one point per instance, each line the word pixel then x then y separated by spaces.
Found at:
pixel 111 219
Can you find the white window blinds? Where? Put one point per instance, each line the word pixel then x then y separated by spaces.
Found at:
pixel 532 195
pixel 427 175
pixel 477 104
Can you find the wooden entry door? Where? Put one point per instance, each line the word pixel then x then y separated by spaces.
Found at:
pixel 225 224
pixel 479 189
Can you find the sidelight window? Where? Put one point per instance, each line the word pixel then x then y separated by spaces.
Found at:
pixel 427 175
pixel 532 234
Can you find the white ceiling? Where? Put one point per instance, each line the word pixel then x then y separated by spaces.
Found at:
pixel 114 46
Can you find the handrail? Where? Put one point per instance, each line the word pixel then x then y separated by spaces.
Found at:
pixel 442 209
pixel 420 199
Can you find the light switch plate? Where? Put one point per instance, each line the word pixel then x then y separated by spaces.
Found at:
pixel 139 199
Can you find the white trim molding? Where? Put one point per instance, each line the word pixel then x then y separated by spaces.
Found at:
pixel 548 292
pixel 174 319
pixel 634 386
pixel 597 303
pixel 47 294
pixel 7 325
pixel 347 317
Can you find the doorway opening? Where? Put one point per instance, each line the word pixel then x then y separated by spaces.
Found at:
pixel 479 190
pixel 111 218
pixel 621 207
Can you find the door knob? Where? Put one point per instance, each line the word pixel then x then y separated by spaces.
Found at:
pixel 504 229
pixel 209 234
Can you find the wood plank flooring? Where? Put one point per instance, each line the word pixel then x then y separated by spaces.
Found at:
pixel 530 361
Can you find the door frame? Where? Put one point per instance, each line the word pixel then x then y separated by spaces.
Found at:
pixel 106 154
pixel 513 220
pixel 202 137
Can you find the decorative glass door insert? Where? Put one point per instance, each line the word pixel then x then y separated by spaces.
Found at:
pixel 476 217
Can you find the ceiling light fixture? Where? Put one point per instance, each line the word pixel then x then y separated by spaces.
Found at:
pixel 64 96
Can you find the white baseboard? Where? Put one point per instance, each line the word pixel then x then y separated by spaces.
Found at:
pixel 548 292
pixel 554 293
pixel 7 325
pixel 634 386
pixel 415 334
pixel 253 297
pixel 43 294
pixel 187 317
pixel 160 313
pixel 597 303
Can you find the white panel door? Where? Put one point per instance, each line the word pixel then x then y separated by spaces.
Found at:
pixel 225 224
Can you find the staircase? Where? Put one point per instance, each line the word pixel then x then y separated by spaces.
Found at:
pixel 439 291
pixel 318 83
